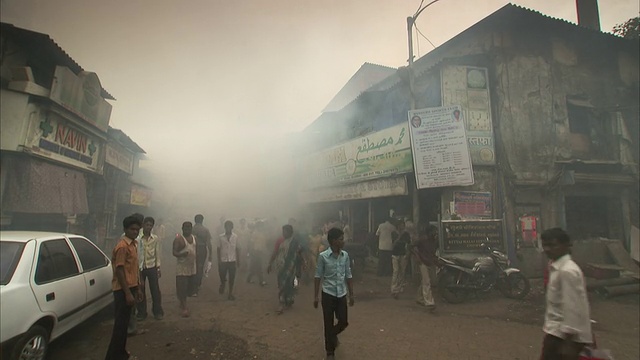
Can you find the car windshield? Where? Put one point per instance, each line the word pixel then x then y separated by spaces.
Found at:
pixel 10 253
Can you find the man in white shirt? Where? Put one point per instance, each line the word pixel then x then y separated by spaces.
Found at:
pixel 567 322
pixel 385 233
pixel 149 250
pixel 228 258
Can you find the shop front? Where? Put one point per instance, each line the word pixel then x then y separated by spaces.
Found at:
pixel 53 143
pixel 47 182
pixel 361 182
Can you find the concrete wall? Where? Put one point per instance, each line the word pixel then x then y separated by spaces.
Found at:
pixel 15 112
pixel 532 261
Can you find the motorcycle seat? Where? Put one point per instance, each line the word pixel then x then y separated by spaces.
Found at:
pixel 468 263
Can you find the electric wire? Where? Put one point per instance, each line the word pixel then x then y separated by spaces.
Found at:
pixel 417 43
pixel 423 35
pixel 419 6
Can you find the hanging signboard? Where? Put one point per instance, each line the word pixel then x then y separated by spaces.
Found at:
pixel 394 186
pixel 439 146
pixel 468 87
pixel 82 95
pixel 119 157
pixel 53 137
pixel 380 154
pixel 469 235
pixel 472 204
pixel 140 196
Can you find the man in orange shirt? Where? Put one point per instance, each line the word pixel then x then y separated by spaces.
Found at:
pixel 125 285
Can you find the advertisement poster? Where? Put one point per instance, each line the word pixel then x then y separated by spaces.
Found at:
pixel 140 196
pixel 472 204
pixel 379 154
pixel 440 149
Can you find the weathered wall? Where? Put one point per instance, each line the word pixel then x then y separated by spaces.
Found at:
pixel 532 80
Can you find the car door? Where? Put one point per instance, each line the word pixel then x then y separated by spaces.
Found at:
pixel 97 273
pixel 58 285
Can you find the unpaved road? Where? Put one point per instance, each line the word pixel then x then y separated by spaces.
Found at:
pixel 380 327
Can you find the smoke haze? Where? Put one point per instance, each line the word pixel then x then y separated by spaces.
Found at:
pixel 217 91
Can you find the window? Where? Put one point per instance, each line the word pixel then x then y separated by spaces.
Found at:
pixel 55 261
pixel 579 118
pixel 90 257
pixel 10 253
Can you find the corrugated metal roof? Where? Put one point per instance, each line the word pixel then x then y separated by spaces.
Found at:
pixel 39 43
pixel 125 140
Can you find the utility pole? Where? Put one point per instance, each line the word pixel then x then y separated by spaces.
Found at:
pixel 415 199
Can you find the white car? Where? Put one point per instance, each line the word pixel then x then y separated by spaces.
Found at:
pixel 50 282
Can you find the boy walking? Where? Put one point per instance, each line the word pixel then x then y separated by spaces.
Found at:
pixel 334 273
pixel 425 252
pixel 150 250
pixel 228 258
pixel 399 260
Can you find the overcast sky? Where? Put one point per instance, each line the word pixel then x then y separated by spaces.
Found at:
pixel 209 79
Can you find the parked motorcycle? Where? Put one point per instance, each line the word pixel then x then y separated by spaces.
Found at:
pixel 458 278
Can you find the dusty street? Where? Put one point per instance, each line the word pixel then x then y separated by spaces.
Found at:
pixel 380 327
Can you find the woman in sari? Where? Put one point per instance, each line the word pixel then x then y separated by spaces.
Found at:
pixel 287 255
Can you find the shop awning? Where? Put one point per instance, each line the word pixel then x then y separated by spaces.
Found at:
pixel 38 187
pixel 382 187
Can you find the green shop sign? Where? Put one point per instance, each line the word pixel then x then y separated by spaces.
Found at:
pixel 380 154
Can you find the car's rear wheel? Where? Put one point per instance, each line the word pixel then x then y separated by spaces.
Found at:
pixel 32 345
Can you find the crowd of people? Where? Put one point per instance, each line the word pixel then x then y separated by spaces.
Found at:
pixel 299 256
pixel 294 256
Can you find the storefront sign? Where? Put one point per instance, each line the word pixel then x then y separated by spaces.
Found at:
pixel 469 235
pixel 472 204
pixel 119 157
pixel 81 95
pixel 140 196
pixel 380 154
pixel 469 87
pixel 53 137
pixel 364 190
pixel 440 149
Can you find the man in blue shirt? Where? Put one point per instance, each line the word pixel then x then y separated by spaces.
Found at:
pixel 334 272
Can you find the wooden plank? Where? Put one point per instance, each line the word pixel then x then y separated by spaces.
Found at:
pixel 607 266
pixel 621 256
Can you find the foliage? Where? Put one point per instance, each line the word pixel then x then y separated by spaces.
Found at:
pixel 628 29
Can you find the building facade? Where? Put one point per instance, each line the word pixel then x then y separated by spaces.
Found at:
pixel 57 148
pixel 551 119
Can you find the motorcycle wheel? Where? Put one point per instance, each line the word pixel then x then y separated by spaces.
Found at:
pixel 446 279
pixel 516 286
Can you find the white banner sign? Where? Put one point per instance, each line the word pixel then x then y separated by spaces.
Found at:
pixel 440 149
pixel 394 186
